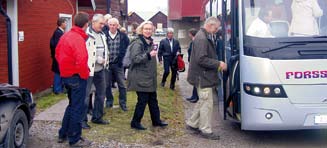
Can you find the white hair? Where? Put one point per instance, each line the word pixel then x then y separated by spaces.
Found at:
pixel 211 20
pixel 97 17
pixel 107 16
pixel 114 20
pixel 170 30
pixel 139 29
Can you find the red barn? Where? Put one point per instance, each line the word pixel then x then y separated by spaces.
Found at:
pixel 159 18
pixel 134 17
pixel 32 25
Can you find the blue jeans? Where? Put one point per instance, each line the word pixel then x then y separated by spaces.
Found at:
pixel 99 81
pixel 118 74
pixel 71 123
pixel 58 86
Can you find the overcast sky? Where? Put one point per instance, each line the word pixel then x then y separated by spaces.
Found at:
pixel 147 5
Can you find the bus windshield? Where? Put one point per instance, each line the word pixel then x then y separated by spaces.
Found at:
pixel 285 18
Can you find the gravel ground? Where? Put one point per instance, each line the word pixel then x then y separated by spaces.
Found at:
pixel 44 134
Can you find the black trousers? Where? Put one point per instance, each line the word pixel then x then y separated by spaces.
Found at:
pixel 169 65
pixel 144 98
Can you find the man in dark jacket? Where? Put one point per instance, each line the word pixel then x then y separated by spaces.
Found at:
pixel 169 48
pixel 117 44
pixel 57 83
pixel 72 57
pixel 203 73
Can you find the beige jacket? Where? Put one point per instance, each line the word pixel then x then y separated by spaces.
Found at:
pixel 305 14
pixel 91 49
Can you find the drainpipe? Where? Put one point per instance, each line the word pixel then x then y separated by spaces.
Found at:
pixel 108 6
pixel 8 24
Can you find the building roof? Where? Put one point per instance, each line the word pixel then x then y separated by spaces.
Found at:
pixel 159 12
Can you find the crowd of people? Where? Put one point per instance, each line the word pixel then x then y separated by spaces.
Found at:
pixel 92 53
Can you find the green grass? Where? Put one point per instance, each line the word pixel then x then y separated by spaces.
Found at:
pixel 171 111
pixel 47 101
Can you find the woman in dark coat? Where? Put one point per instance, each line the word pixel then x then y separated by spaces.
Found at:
pixel 142 76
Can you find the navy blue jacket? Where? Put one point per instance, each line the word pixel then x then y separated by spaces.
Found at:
pixel 53 44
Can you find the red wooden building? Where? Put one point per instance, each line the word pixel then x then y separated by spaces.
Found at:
pixel 159 18
pixel 185 14
pixel 32 24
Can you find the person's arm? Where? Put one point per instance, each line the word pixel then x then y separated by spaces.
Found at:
pixel 161 50
pixel 317 12
pixel 54 41
pixel 122 52
pixel 81 57
pixel 201 55
pixel 137 54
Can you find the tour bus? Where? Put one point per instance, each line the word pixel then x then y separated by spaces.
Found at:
pixel 276 52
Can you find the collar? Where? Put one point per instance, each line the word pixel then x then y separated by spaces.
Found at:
pixel 113 35
pixel 207 34
pixel 61 29
pixel 142 38
pixel 80 31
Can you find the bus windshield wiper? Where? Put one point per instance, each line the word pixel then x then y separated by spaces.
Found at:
pixel 282 47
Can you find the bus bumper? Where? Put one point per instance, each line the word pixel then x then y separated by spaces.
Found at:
pixel 280 114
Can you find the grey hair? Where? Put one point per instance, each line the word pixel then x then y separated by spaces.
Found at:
pixel 97 17
pixel 211 20
pixel 115 20
pixel 107 16
pixel 139 29
pixel 170 30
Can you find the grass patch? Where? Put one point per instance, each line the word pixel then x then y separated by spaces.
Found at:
pixel 171 111
pixel 47 101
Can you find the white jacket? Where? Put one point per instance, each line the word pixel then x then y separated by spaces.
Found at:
pixel 259 28
pixel 305 14
pixel 91 48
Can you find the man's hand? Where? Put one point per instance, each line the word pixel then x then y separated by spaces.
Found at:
pixel 222 66
pixel 160 62
pixel 153 53
pixel 178 53
pixel 100 60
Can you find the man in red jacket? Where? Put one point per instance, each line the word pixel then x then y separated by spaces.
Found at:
pixel 72 57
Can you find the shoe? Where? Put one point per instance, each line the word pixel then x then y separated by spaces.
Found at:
pixel 161 124
pixel 162 84
pixel 210 136
pixel 194 100
pixel 137 126
pixel 190 98
pixel 124 108
pixel 81 143
pixel 172 87
pixel 109 105
pixel 62 140
pixel 85 125
pixel 101 121
pixel 192 129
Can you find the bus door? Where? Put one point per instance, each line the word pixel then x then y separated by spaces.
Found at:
pixel 231 78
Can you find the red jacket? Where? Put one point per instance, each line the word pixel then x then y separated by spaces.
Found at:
pixel 71 54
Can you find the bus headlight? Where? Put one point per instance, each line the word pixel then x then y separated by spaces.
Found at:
pixel 266 91
pixel 263 90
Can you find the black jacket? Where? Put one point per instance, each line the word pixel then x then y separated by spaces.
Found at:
pixel 165 49
pixel 53 44
pixel 124 42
